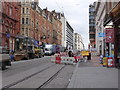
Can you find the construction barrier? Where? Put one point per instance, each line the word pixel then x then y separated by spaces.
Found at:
pixel 58 60
pixel 110 62
pixel 67 60
pixel 77 58
pixel 104 61
pixel 61 59
pixel 53 59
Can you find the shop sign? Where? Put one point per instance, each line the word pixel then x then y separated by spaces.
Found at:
pixel 109 35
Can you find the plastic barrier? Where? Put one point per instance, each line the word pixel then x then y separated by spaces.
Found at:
pixel 67 60
pixel 110 62
pixel 77 58
pixel 58 60
pixel 104 61
pixel 53 59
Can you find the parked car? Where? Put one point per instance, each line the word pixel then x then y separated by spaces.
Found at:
pixel 4 58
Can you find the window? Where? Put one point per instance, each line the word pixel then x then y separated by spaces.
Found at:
pixel 22 31
pixel 10 11
pixel 27 11
pixel 92 35
pixel 23 10
pixel 11 26
pixel 26 20
pixel 22 20
pixel 0 39
pixel 27 31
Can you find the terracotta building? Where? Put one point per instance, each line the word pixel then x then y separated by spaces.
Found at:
pixel 41 25
pixel 9 23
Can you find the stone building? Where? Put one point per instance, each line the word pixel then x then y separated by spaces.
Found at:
pixel 78 42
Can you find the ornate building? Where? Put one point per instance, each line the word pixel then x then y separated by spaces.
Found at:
pixel 9 23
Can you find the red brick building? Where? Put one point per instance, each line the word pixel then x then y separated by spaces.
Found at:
pixel 9 23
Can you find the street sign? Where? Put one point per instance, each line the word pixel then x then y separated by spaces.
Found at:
pixel 101 35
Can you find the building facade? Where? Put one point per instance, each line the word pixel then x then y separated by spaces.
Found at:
pixel 67 33
pixel 92 30
pixel 9 23
pixel 64 28
pixel 78 42
pixel 42 25
pixel 115 15
pixel 107 22
pixel 69 36
pixel 100 13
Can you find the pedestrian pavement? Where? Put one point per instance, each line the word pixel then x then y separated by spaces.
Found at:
pixel 92 74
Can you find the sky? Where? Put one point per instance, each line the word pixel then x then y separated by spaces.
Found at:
pixel 76 13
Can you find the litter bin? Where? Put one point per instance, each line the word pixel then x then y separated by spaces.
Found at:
pixel 104 61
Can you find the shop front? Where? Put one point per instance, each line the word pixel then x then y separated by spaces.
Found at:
pixel 115 15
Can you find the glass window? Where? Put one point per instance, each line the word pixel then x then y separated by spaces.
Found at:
pixel 27 10
pixel 0 41
pixel 26 20
pixel 22 31
pixel 11 26
pixel 22 20
pixel 23 10
pixel 10 11
pixel 27 31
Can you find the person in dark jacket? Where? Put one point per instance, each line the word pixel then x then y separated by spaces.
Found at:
pixel 70 53
pixel 89 57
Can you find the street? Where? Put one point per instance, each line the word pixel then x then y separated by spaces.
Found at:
pixel 59 44
pixel 34 73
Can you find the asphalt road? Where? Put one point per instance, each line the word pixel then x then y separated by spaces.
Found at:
pixel 22 69
pixel 24 65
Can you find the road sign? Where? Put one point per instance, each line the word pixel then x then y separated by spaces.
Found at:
pixel 101 35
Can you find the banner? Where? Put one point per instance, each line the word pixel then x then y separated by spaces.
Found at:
pixel 109 35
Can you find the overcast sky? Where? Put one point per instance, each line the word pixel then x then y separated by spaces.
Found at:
pixel 76 13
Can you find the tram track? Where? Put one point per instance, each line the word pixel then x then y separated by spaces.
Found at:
pixel 21 80
pixel 32 75
pixel 50 79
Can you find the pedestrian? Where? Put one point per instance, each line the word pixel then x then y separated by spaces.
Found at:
pixel 12 55
pixel 89 56
pixel 101 59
